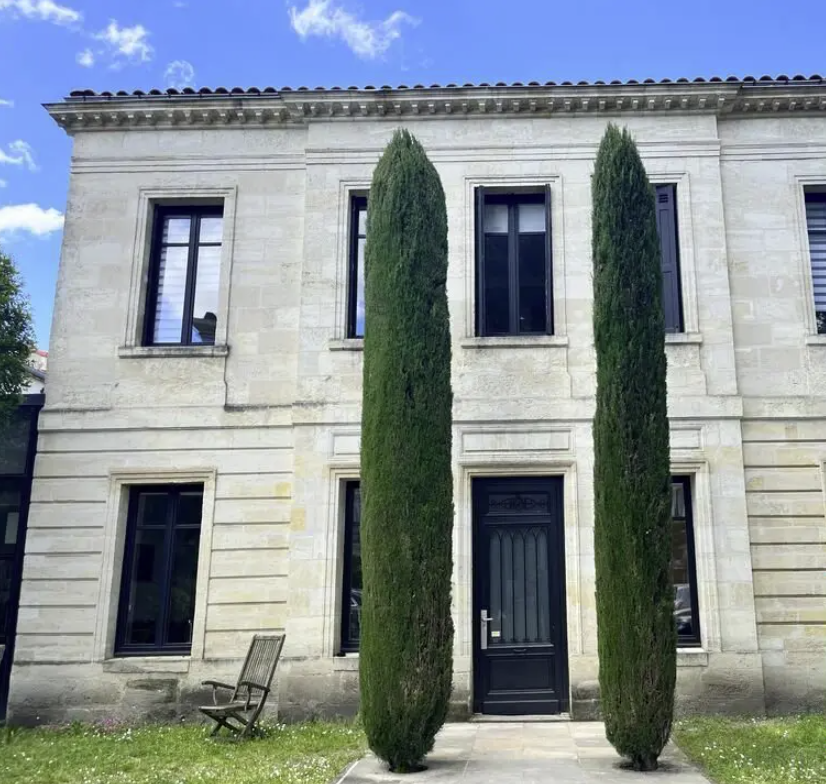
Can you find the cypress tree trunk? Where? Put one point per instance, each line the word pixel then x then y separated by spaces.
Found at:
pixel 632 483
pixel 407 510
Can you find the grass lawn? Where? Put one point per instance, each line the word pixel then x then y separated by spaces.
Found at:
pixel 84 754
pixel 771 751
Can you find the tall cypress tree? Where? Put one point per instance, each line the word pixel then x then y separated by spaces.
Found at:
pixel 632 486
pixel 407 511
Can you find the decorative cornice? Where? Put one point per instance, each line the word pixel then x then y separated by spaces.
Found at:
pixel 89 111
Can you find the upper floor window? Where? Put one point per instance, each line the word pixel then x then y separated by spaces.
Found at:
pixel 160 563
pixel 355 286
pixel 513 262
pixel 351 582
pixel 185 266
pixel 683 563
pixel 666 196
pixel 816 225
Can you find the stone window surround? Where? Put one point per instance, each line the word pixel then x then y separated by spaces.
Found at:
pixel 117 506
pixel 148 198
pixel 799 184
pixel 695 467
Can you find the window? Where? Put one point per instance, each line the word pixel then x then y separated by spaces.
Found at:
pixel 351 595
pixel 667 229
pixel 355 291
pixel 816 224
pixel 513 263
pixel 683 565
pixel 184 275
pixel 159 569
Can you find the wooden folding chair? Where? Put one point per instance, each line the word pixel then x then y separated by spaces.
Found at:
pixel 250 692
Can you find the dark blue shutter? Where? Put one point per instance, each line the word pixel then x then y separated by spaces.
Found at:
pixel 480 261
pixel 666 196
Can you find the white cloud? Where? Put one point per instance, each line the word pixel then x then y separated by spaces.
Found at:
pixel 179 74
pixel 4 104
pixel 3 183
pixel 20 154
pixel 86 58
pixel 366 39
pixel 128 43
pixel 31 218
pixel 43 11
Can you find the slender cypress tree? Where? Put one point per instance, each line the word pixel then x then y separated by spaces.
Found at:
pixel 407 510
pixel 632 485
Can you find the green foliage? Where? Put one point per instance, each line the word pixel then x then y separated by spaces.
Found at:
pixel 16 337
pixel 632 487
pixel 407 507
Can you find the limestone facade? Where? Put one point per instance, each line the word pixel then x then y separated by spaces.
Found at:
pixel 268 418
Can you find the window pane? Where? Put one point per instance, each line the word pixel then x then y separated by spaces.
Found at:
pixel 205 305
pixel 14 444
pixel 146 587
pixel 153 509
pixel 532 282
pixel 190 508
pixel 531 218
pixel 169 309
pixel 681 566
pixel 497 310
pixel 496 219
pixel 212 229
pixel 182 590
pixel 352 633
pixel 362 227
pixel 175 230
pixel 6 567
pixel 360 288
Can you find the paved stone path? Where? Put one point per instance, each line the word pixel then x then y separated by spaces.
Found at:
pixel 524 753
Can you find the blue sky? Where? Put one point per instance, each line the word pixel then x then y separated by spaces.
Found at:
pixel 50 47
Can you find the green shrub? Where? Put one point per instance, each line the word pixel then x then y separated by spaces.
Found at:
pixel 632 484
pixel 407 490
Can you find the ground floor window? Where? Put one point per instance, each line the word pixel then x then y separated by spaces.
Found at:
pixel 160 564
pixel 351 597
pixel 683 563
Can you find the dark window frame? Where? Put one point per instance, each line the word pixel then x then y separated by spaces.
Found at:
pixel 694 639
pixel 812 195
pixel 358 203
pixel 673 304
pixel 194 213
pixel 351 486
pixel 160 648
pixel 512 198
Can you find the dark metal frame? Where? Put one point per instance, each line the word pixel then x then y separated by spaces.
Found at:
pixel 512 200
pixel 557 584
pixel 350 487
pixel 358 202
pixel 815 196
pixel 24 483
pixel 122 648
pixel 194 214
pixel 695 639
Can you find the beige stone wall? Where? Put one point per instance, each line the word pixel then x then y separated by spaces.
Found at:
pixel 269 418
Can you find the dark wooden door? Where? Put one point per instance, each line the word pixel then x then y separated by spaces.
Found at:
pixel 520 656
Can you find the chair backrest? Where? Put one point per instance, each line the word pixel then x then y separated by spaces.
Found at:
pixel 262 659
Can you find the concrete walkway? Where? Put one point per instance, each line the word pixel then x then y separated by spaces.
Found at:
pixel 526 752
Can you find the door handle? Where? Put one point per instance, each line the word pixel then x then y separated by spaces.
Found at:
pixel 486 619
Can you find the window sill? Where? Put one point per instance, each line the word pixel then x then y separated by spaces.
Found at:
pixel 131 665
pixel 517 341
pixel 349 662
pixel 692 657
pixel 347 344
pixel 166 352
pixel 816 340
pixel 683 339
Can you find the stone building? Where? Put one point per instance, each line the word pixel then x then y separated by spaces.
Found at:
pixel 197 469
